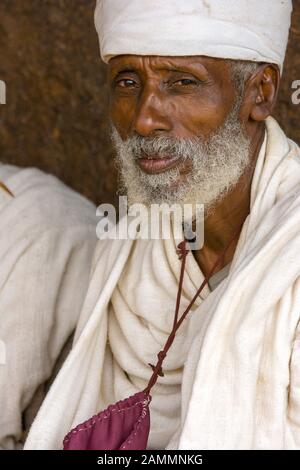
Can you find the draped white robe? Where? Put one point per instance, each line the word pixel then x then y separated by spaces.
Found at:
pixel 47 240
pixel 232 375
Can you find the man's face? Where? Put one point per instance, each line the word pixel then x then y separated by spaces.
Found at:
pixel 176 128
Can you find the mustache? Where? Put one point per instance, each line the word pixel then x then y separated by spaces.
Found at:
pixel 162 146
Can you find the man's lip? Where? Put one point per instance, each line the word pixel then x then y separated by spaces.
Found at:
pixel 156 164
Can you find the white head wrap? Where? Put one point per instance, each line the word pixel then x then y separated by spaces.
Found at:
pixel 255 30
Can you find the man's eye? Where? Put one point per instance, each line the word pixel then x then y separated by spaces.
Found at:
pixel 186 82
pixel 126 83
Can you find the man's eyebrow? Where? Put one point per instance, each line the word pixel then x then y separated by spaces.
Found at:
pixel 188 68
pixel 125 68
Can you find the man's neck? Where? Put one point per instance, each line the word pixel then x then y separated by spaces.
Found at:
pixel 228 215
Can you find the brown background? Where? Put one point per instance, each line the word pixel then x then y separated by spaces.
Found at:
pixel 55 116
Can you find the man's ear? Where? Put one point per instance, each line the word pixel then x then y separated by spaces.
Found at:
pixel 261 92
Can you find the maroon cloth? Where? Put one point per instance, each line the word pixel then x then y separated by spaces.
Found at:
pixel 122 426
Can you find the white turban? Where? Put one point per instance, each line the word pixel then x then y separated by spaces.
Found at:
pixel 255 30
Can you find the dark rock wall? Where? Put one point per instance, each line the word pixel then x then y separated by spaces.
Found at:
pixel 56 112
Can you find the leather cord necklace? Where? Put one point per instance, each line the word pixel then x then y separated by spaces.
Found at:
pixel 183 251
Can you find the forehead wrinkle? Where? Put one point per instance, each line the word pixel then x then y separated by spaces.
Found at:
pixel 159 63
pixel 180 65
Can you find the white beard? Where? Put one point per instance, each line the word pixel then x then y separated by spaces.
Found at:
pixel 216 166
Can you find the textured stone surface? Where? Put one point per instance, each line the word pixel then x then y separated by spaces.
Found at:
pixel 55 116
pixel 286 112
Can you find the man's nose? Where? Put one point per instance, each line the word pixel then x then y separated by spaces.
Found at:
pixel 151 115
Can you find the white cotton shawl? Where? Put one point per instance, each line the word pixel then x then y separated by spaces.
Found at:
pixel 232 376
pixel 255 30
pixel 47 241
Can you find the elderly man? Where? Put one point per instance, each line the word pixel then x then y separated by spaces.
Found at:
pixel 47 240
pixel 192 88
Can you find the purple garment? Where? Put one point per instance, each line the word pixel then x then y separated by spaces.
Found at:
pixel 122 426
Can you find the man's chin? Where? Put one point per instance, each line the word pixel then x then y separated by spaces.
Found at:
pixel 168 188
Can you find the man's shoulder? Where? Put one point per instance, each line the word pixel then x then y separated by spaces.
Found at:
pixel 290 171
pixel 45 199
